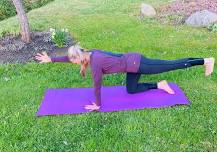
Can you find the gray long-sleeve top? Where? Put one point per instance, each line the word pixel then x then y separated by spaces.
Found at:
pixel 103 62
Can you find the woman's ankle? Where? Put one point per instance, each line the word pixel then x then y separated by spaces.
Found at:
pixel 197 61
pixel 208 60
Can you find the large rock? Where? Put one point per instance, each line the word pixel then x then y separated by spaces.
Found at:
pixel 147 10
pixel 202 19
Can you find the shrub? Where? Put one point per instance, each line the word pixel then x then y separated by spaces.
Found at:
pixel 59 37
pixel 7 8
pixel 213 27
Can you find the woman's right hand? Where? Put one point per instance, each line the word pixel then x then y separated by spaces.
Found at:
pixel 43 57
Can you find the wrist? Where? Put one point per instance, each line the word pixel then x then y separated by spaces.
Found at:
pixel 51 60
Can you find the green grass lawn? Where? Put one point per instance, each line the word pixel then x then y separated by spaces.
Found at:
pixel 110 25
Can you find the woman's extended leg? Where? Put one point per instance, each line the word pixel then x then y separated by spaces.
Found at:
pixel 154 66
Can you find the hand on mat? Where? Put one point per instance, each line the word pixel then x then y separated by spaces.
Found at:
pixel 43 58
pixel 92 107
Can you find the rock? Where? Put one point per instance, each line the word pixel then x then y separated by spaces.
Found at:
pixel 201 19
pixel 147 10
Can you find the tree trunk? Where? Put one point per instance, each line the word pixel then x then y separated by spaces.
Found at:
pixel 23 20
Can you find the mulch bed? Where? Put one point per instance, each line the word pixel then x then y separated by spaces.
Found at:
pixel 14 50
pixel 179 10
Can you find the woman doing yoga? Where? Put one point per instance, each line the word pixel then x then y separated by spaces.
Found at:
pixel 132 63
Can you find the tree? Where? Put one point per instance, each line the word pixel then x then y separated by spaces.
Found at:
pixel 24 24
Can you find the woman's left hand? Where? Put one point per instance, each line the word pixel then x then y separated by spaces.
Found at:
pixel 92 107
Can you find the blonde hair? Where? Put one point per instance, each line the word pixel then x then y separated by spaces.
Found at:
pixel 76 51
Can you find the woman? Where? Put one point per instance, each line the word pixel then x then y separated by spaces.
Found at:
pixel 134 64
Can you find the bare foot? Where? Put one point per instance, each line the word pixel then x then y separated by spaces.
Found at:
pixel 164 86
pixel 209 65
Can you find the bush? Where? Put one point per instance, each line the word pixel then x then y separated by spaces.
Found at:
pixel 213 27
pixel 59 37
pixel 7 8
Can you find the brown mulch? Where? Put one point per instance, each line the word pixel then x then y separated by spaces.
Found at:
pixel 14 50
pixel 179 10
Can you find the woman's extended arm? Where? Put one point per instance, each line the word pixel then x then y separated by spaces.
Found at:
pixel 44 58
pixel 60 59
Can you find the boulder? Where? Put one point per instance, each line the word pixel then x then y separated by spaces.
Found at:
pixel 147 11
pixel 201 19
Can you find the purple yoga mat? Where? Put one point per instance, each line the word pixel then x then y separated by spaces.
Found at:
pixel 114 98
